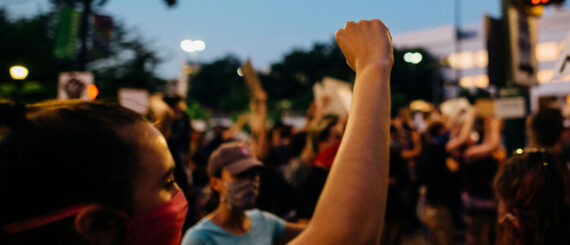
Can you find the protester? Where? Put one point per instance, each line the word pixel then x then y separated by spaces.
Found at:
pixel 479 166
pixel 234 176
pixel 534 187
pixel 534 199
pixel 436 207
pixel 325 138
pixel 86 173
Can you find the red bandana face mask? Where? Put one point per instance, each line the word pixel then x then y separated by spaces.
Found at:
pixel 162 225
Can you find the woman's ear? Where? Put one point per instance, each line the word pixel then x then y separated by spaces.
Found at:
pixel 216 184
pixel 102 225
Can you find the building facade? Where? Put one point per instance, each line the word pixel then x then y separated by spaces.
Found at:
pixel 468 62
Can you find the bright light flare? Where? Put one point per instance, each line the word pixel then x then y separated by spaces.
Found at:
pixel 239 72
pixel 413 58
pixel 193 46
pixel 18 72
pixel 92 91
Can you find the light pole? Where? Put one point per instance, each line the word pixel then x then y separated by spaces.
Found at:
pixel 457 20
pixel 18 74
pixel 192 46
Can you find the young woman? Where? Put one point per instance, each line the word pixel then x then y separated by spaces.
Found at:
pixel 86 173
pixel 234 176
pixel 93 173
pixel 533 188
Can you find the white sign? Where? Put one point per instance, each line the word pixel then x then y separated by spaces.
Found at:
pixel 563 64
pixel 509 108
pixel 134 99
pixel 340 93
pixel 74 85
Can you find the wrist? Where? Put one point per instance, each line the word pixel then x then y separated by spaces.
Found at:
pixel 381 65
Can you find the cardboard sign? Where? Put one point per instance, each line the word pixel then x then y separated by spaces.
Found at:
pixel 73 85
pixel 134 99
pixel 485 107
pixel 251 78
pixel 318 91
pixel 340 93
pixel 562 67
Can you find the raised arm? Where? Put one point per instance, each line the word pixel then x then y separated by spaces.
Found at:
pixel 352 204
pixel 490 144
pixel 466 129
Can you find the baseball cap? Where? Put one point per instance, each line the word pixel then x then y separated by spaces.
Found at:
pixel 235 157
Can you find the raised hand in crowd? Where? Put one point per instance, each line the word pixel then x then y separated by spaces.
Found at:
pixel 351 207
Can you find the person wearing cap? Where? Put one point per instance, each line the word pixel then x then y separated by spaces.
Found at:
pixel 234 176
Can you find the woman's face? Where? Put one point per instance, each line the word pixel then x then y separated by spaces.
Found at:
pixel 154 184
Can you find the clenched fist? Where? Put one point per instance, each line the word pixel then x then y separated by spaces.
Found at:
pixel 366 43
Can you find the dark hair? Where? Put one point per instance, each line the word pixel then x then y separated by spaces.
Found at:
pixel 547 126
pixel 434 128
pixel 321 131
pixel 172 101
pixel 60 154
pixel 535 190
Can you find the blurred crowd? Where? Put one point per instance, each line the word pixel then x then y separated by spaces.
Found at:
pixel 443 164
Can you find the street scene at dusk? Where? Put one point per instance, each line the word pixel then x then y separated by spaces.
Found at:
pixel 442 122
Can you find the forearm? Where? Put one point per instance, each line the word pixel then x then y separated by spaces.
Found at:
pixel 351 207
pixel 464 133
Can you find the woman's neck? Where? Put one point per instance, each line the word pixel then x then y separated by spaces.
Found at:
pixel 232 220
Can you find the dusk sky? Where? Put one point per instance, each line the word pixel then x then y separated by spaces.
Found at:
pixel 263 30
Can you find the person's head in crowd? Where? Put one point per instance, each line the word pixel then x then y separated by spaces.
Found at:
pixel 325 138
pixel 436 128
pixel 404 114
pixel 326 133
pixel 534 199
pixel 75 172
pixel 234 176
pixel 545 127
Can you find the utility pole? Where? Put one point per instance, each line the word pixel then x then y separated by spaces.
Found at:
pixel 457 44
pixel 83 35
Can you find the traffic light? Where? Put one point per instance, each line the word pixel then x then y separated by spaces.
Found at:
pixel 532 3
pixel 170 3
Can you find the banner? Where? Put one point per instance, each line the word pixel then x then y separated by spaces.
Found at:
pixel 505 108
pixel 66 35
pixel 101 36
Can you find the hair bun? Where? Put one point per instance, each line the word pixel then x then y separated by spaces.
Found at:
pixel 10 112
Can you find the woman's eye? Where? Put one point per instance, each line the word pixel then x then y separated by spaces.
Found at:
pixel 170 183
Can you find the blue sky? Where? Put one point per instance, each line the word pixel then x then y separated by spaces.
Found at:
pixel 264 30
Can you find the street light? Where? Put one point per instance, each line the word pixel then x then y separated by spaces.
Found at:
pixel 413 58
pixel 192 46
pixel 18 72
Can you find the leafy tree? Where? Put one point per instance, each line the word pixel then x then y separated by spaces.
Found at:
pixel 416 81
pixel 30 42
pixel 290 81
pixel 218 87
